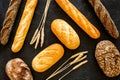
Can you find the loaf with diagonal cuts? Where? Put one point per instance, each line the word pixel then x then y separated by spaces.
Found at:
pixel 105 18
pixel 9 21
pixel 47 57
pixel 65 33
pixel 79 18
pixel 24 25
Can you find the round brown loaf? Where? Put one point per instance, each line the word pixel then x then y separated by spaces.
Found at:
pixel 108 58
pixel 17 69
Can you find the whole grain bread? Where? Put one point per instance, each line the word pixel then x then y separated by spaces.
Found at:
pixel 108 58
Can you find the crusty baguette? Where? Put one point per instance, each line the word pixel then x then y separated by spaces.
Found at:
pixel 108 58
pixel 105 18
pixel 48 57
pixel 24 25
pixel 65 33
pixel 17 69
pixel 9 21
pixel 79 18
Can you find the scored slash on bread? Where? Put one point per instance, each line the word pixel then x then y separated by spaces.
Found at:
pixel 9 21
pixel 105 18
pixel 65 33
pixel 47 57
pixel 24 25
pixel 79 18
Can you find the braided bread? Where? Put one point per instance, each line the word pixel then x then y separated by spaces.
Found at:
pixel 105 18
pixel 9 20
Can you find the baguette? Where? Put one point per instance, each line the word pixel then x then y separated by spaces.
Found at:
pixel 48 57
pixel 105 18
pixel 24 25
pixel 9 21
pixel 79 18
pixel 65 33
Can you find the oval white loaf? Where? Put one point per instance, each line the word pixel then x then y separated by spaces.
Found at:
pixel 47 57
pixel 65 33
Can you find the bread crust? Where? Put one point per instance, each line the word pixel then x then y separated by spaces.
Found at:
pixel 17 69
pixel 79 18
pixel 105 18
pixel 47 57
pixel 108 58
pixel 65 33
pixel 24 25
pixel 9 21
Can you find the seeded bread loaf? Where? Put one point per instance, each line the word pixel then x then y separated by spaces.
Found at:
pixel 108 58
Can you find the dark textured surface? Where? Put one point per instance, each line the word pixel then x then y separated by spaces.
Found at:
pixel 91 70
pixel 108 58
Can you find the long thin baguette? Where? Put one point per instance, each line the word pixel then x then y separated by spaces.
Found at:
pixel 24 25
pixel 105 18
pixel 9 20
pixel 79 18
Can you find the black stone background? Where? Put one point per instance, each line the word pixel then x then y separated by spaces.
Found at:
pixel 89 71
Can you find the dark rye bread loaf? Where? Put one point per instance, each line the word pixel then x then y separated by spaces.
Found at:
pixel 105 18
pixel 17 69
pixel 9 21
pixel 108 58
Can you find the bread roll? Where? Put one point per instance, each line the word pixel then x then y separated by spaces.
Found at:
pixel 17 69
pixel 24 25
pixel 65 33
pixel 48 57
pixel 9 21
pixel 108 58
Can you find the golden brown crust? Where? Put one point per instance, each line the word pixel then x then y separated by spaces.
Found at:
pixel 79 18
pixel 24 25
pixel 108 58
pixel 47 57
pixel 65 33
pixel 9 21
pixel 17 69
pixel 105 18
